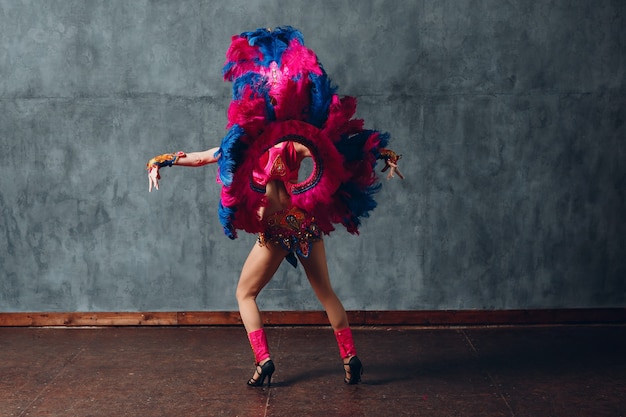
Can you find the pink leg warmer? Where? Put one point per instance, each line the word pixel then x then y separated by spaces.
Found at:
pixel 345 342
pixel 258 342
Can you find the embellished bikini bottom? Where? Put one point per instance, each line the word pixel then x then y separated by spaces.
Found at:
pixel 293 229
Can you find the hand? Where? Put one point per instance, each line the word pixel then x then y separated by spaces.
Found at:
pixel 391 161
pixel 394 170
pixel 153 177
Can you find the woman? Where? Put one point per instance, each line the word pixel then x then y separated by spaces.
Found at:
pixel 283 111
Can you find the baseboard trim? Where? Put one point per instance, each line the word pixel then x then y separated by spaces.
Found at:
pixel 313 318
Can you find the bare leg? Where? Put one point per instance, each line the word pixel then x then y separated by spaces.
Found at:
pixel 317 273
pixel 316 270
pixel 257 271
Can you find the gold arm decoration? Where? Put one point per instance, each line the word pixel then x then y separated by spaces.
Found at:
pixel 391 162
pixel 165 160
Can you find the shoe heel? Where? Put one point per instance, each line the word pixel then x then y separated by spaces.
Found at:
pixel 267 369
pixel 354 368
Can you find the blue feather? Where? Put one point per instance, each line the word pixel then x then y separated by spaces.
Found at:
pixel 321 95
pixel 273 43
pixel 227 67
pixel 351 147
pixel 358 201
pixel 255 81
pixel 258 88
pixel 384 141
pixel 226 214
pixel 231 150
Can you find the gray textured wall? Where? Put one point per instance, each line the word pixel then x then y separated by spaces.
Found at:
pixel 510 115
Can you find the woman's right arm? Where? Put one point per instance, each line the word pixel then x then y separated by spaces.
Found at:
pixel 192 159
pixel 198 159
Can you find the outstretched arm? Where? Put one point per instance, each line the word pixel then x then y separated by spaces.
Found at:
pixel 192 159
pixel 198 159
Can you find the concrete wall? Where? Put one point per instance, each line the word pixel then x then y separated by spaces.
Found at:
pixel 510 116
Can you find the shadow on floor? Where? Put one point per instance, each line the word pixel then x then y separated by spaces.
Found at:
pixel 201 371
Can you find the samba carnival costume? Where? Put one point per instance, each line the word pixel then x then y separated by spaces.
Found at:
pixel 281 93
pixel 283 98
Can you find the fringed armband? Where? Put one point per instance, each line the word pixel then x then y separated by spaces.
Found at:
pixel 391 161
pixel 165 160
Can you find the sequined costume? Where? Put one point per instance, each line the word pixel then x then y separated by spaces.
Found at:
pixel 282 94
pixel 280 162
pixel 293 229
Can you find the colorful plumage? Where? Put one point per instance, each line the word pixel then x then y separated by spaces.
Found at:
pixel 281 92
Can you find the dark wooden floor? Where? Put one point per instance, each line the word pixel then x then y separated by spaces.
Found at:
pixel 201 371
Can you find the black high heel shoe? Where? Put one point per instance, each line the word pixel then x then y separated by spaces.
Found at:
pixel 265 370
pixel 354 369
